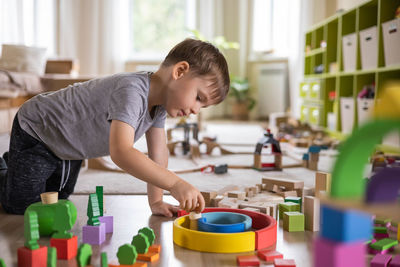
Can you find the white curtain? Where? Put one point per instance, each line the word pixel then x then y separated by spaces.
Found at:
pixel 96 32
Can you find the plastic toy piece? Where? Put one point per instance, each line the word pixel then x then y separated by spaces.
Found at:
pixel 109 223
pixel 287 206
pixel 51 257
pixel 104 260
pixel 49 197
pixel 311 213
pixel 394 263
pixel 94 235
pixel 63 221
pixel 141 243
pixel 284 263
pixel 384 244
pixel 348 173
pixel 345 225
pixel 127 254
pixel 67 248
pixel 46 215
pixel 93 211
pixel 248 260
pixel 293 221
pixel 31 230
pixel 334 254
pixel 194 218
pixel 384 186
pixel 147 231
pixel 99 193
pixel 155 249
pixel 149 256
pixel 32 258
pixel 84 255
pixel 269 255
pixel 381 260
pixel 224 222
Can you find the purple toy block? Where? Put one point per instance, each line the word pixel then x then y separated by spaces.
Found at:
pixel 335 254
pixel 381 235
pixel 109 222
pixel 381 260
pixel 384 186
pixel 395 262
pixel 94 235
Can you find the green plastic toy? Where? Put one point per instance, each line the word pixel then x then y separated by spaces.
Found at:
pixel 104 260
pixel 141 243
pixel 126 254
pixel 147 231
pixel 84 255
pixel 99 193
pixel 51 257
pixel 31 230
pixel 347 176
pixel 63 221
pixel 2 264
pixel 46 214
pixel 93 211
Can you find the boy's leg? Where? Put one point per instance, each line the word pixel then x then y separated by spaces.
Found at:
pixel 71 169
pixel 30 164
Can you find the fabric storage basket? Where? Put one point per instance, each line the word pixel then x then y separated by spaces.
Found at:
pixel 391 41
pixel 315 90
pixel 349 51
pixel 369 48
pixel 304 113
pixel 304 89
pixel 347 114
pixel 364 109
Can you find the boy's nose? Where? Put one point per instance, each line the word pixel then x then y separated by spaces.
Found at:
pixel 195 110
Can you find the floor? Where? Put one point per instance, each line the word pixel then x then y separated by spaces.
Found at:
pixel 132 213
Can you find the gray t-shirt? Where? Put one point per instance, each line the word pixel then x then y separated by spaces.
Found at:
pixel 74 122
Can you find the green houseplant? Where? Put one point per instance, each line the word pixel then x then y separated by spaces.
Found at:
pixel 240 91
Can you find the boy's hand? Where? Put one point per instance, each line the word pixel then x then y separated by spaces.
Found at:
pixel 164 209
pixel 189 197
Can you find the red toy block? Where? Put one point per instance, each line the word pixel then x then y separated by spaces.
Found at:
pixel 32 258
pixel 149 256
pixel 154 249
pixel 269 256
pixel 248 260
pixel 284 263
pixel 67 248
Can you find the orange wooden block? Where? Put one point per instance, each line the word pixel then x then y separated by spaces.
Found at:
pixel 149 256
pixel 67 248
pixel 269 255
pixel 32 258
pixel 154 249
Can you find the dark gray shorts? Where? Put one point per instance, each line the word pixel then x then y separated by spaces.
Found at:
pixel 32 170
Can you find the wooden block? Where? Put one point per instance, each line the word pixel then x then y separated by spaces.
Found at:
pixel 149 256
pixel 208 195
pixel 228 188
pixel 313 165
pixel 248 260
pixel 49 197
pixel 228 203
pixel 259 188
pixel 257 161
pixel 305 163
pixel 269 255
pixel 293 221
pixel 214 201
pixel 194 217
pixel 285 194
pixel 284 263
pixel 237 194
pixel 250 209
pixel 289 184
pixel 311 212
pixel 155 248
pixel 314 157
pixel 322 182
pixel 257 205
pixel 278 161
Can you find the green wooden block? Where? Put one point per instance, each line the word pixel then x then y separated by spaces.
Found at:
pixel 31 230
pixel 384 244
pixel 297 200
pixel 147 231
pixel 287 206
pixel 63 220
pixel 382 221
pixel 141 243
pixel 104 259
pixel 380 230
pixel 2 264
pixel 99 193
pixel 293 221
pixel 84 255
pixel 127 254
pixel 51 257
pixel 93 211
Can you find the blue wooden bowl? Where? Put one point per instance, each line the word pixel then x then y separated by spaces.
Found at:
pixel 224 222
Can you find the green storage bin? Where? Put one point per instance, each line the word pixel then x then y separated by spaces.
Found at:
pixel 315 115
pixel 304 113
pixel 315 90
pixel 304 89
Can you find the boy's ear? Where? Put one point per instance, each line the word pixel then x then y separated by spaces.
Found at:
pixel 180 69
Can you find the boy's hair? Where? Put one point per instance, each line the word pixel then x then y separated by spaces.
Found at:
pixel 204 60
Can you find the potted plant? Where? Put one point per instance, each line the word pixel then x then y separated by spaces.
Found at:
pixel 243 102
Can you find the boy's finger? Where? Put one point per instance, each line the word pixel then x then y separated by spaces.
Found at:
pixel 201 203
pixel 188 205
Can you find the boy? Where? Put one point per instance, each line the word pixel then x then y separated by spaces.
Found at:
pixel 53 132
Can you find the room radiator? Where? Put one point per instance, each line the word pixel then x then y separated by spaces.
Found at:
pixel 273 93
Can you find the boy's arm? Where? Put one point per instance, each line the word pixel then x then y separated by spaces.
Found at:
pixel 157 151
pixel 137 164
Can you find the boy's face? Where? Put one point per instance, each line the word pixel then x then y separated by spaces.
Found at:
pixel 186 94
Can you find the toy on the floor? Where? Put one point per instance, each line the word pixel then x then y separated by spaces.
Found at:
pixel 2 264
pixel 186 143
pixel 84 255
pixel 268 141
pixel 263 236
pixel 224 222
pixel 51 257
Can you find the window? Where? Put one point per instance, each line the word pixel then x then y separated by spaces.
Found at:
pixel 157 25
pixel 271 28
